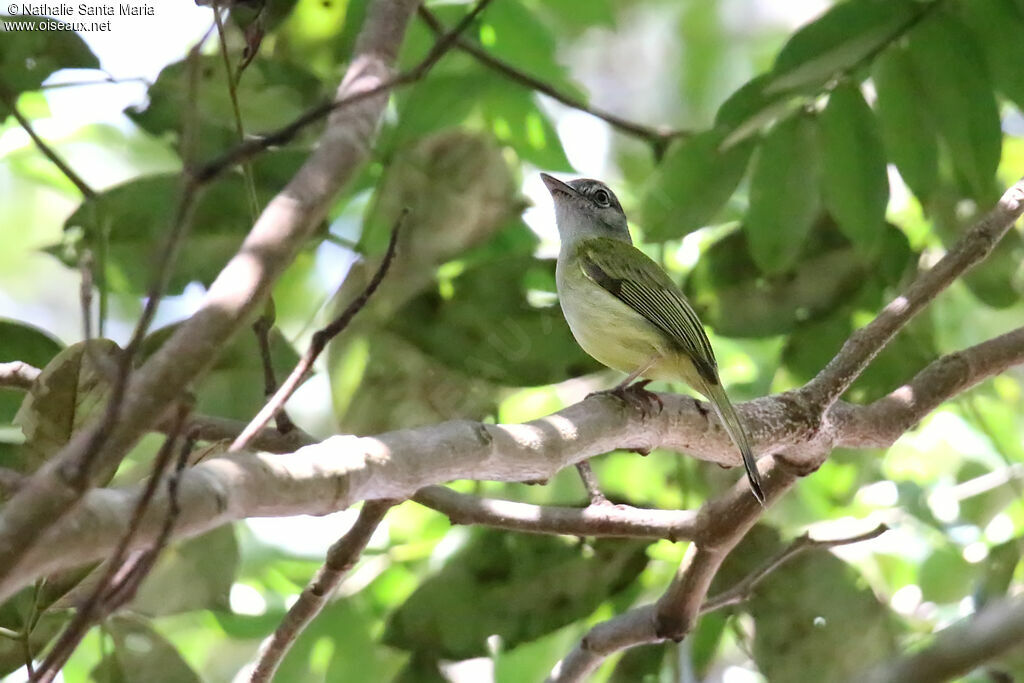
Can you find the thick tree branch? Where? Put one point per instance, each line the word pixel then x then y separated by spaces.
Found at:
pixel 960 648
pixel 622 521
pixel 237 292
pixel 879 424
pixel 341 557
pixel 861 348
pixel 344 470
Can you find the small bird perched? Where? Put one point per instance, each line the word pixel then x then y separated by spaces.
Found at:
pixel 626 312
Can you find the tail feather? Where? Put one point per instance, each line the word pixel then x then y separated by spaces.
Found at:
pixel 731 422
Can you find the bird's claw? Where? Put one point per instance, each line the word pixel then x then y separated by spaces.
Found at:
pixel 637 396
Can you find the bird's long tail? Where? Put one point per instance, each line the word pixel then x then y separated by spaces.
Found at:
pixel 731 422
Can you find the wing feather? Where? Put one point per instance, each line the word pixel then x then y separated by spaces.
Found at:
pixel 642 285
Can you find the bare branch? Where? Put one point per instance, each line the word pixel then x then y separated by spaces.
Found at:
pixel 879 424
pixel 18 375
pixel 861 348
pixel 341 557
pixel 240 289
pixel 742 591
pixel 47 151
pixel 343 470
pixel 317 345
pixel 960 648
pixel 657 137
pixel 621 521
pixel 97 605
pixel 283 135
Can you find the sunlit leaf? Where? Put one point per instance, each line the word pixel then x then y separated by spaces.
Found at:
pixel 531 584
pixel 141 654
pixel 839 40
pixel 71 391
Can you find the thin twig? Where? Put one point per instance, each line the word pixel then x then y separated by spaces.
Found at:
pixel 590 483
pixel 261 328
pixel 341 558
pixel 94 606
pixel 80 471
pixel 615 521
pixel 318 343
pixel 18 375
pixel 47 151
pixel 658 137
pixel 742 591
pixel 286 133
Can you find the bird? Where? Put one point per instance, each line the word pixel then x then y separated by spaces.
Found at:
pixel 626 312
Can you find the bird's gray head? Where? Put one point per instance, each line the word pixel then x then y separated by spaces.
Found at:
pixel 586 208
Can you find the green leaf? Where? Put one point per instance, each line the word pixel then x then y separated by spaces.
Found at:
pixel 997 26
pixel 440 101
pixel 70 392
pixel 816 613
pixel 271 94
pixel 784 201
pixel 855 183
pixel 141 654
pixel 481 323
pixel 997 281
pixel 997 572
pixel 28 344
pixel 946 577
pixel 693 182
pixel 511 32
pixel 28 57
pixel 192 575
pixel 706 640
pixel 838 41
pixel 12 652
pixel 734 299
pixel 234 386
pixel 137 215
pixel 907 128
pixel 640 664
pixel 532 585
pixel 954 79
pixel 513 116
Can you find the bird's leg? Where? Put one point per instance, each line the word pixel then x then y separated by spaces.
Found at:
pixel 590 483
pixel 637 395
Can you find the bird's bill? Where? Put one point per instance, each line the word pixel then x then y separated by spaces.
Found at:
pixel 556 186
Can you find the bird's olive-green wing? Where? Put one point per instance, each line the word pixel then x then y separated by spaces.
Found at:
pixel 632 277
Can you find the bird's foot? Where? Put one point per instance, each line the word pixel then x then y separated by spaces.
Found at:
pixel 636 396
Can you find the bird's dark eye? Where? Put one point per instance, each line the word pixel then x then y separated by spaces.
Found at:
pixel 602 198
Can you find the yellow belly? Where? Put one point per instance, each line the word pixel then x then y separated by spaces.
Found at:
pixel 617 336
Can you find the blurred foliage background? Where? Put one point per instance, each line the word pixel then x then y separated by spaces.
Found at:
pixel 818 154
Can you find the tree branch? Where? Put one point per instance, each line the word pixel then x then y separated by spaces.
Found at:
pixel 960 648
pixel 657 137
pixel 861 348
pixel 621 521
pixel 742 591
pixel 343 470
pixel 341 557
pixel 47 151
pixel 240 289
pixel 316 346
pixel 18 375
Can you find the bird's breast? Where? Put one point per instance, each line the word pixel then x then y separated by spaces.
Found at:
pixel 607 329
